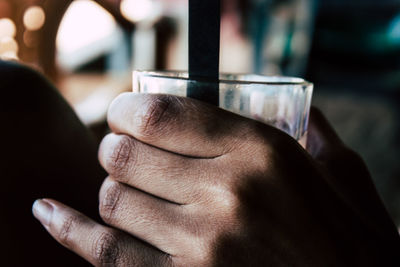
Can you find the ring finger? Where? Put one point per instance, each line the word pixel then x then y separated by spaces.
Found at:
pixel 149 218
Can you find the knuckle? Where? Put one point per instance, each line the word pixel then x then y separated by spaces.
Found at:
pixel 109 203
pixel 121 156
pixel 269 134
pixel 158 111
pixel 273 144
pixel 67 225
pixel 229 201
pixel 223 196
pixel 263 146
pixel 106 249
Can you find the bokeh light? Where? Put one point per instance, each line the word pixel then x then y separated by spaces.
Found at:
pixel 8 44
pixel 77 30
pixel 9 56
pixel 8 48
pixel 34 18
pixel 394 30
pixel 7 28
pixel 136 10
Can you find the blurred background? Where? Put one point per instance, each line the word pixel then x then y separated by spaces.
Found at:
pixel 350 50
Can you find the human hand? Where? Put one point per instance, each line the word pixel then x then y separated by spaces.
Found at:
pixel 193 185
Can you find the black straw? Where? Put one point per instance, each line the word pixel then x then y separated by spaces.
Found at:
pixel 204 42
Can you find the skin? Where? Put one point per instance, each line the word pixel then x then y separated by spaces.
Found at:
pixel 192 185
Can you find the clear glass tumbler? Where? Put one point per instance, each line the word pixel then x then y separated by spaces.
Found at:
pixel 283 102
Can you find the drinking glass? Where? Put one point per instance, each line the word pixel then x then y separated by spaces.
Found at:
pixel 283 102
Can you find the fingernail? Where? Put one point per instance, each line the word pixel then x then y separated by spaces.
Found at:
pixel 42 210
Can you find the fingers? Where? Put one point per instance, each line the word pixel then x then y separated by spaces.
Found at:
pixel 99 245
pixel 166 175
pixel 142 215
pixel 179 125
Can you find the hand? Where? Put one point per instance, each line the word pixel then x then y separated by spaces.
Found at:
pixel 193 185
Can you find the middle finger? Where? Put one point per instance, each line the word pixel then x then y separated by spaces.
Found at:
pixel 167 175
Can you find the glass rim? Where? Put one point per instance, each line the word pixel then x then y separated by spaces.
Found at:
pixel 175 75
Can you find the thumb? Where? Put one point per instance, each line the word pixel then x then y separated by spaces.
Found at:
pixel 322 138
pixel 327 149
pixel 347 172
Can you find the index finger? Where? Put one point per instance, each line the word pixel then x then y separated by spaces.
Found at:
pixel 181 125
